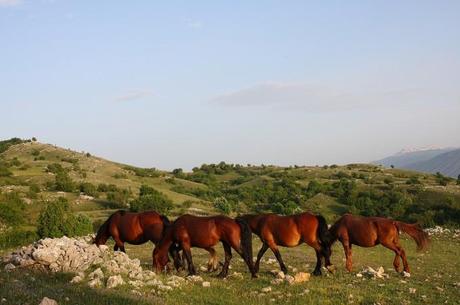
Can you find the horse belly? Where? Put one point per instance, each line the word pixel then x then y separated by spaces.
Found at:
pixel 288 239
pixel 204 241
pixel 363 237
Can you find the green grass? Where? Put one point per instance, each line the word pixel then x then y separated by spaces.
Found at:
pixel 433 276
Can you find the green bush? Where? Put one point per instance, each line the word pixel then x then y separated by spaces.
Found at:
pixel 4 171
pixel 4 145
pixel 64 183
pixel 16 237
pixel 11 209
pixel 57 220
pixel 222 204
pixel 88 189
pixel 119 196
pixel 151 199
pixel 413 180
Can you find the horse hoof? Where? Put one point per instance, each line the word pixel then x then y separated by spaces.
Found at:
pixel 331 269
pixel 317 272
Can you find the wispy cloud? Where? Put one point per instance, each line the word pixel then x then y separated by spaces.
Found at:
pixel 133 95
pixel 316 98
pixel 10 3
pixel 195 24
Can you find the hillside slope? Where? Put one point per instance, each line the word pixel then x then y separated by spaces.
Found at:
pixel 403 159
pixel 28 179
pixel 447 164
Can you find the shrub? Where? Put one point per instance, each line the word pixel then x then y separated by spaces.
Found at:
pixel 88 189
pixel 64 183
pixel 119 196
pixel 103 188
pixel 4 171
pixel 16 237
pixel 11 208
pixel 35 152
pixel 413 180
pixel 151 199
pixel 4 145
pixel 222 204
pixel 57 220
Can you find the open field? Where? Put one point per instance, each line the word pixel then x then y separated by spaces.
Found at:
pixel 324 190
pixel 434 280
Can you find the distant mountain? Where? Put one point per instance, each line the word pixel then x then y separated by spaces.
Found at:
pixel 407 157
pixel 447 164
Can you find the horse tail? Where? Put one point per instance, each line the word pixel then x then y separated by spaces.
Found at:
pixel 103 232
pixel 416 232
pixel 165 220
pixel 324 235
pixel 246 243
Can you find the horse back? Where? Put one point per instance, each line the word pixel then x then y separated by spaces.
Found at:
pixel 200 231
pixel 362 231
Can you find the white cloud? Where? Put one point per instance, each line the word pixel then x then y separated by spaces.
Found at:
pixel 9 3
pixel 316 98
pixel 133 95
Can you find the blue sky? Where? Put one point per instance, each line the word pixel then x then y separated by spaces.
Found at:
pixel 181 83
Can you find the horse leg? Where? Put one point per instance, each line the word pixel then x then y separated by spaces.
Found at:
pixel 317 270
pixel 213 261
pixel 347 249
pixel 275 251
pixel 399 253
pixel 188 256
pixel 259 256
pixel 228 257
pixel 118 244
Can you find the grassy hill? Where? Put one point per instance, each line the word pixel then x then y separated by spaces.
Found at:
pixel 26 171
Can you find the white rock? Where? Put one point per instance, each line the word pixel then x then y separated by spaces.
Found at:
pixel 96 274
pixel 95 283
pixel 266 289
pixel 9 267
pixel 76 279
pixel 47 301
pixel 194 278
pixel 114 281
pixel 289 278
pixel 206 284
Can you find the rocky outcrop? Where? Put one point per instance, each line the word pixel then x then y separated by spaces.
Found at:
pixel 94 266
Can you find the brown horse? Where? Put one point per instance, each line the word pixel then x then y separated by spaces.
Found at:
pixel 371 231
pixel 205 232
pixel 133 228
pixel 291 231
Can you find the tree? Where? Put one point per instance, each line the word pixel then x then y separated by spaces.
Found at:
pixel 151 199
pixel 458 180
pixel 64 183
pixel 88 189
pixel 57 220
pixel 178 172
pixel 222 204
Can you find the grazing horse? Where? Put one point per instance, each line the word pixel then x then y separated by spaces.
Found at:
pixel 290 231
pixel 133 228
pixel 371 231
pixel 205 232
